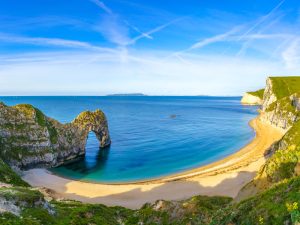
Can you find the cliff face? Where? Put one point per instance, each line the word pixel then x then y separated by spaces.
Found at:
pixel 253 98
pixel 29 139
pixel 277 109
pixel 280 108
pixel 249 99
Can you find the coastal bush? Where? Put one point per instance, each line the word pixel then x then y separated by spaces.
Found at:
pixel 269 205
pixel 21 194
pixel 8 176
pixel 196 210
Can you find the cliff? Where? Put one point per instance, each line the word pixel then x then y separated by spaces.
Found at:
pixel 275 197
pixel 253 98
pixel 29 139
pixel 280 108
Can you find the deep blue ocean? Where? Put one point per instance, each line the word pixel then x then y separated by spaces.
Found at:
pixel 151 136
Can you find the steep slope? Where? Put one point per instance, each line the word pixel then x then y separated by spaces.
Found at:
pixel 29 139
pixel 281 95
pixel 281 109
pixel 253 98
pixel 275 191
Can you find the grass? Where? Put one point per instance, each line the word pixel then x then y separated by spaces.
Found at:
pixel 268 207
pixel 277 205
pixel 198 210
pixel 285 86
pixel 21 194
pixel 69 212
pixel 282 163
pixel 8 176
pixel 259 93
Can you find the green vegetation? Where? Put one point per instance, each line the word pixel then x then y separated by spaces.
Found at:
pixel 275 192
pixel 285 86
pixel 89 117
pixel 268 207
pixel 259 93
pixel 283 162
pixel 52 132
pixel 278 205
pixel 8 176
pixel 21 194
pixel 65 213
pixel 40 118
pixel 196 210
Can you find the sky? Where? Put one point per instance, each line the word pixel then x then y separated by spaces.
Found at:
pixel 190 47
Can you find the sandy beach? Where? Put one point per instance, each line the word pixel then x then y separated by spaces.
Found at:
pixel 225 177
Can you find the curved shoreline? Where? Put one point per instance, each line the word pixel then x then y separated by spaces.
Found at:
pixel 223 177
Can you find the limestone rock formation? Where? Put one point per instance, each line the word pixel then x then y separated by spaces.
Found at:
pixel 249 99
pixel 280 101
pixel 280 108
pixel 30 139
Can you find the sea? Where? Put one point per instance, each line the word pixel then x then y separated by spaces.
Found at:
pixel 152 136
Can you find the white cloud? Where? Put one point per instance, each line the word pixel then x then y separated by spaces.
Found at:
pixel 291 55
pixel 102 6
pixel 49 42
pixel 214 39
pixel 116 30
pixel 79 73
pixel 155 30
pixel 263 19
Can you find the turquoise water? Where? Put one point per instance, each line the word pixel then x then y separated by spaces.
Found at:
pixel 151 136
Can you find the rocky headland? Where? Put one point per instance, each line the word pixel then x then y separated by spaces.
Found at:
pixel 253 98
pixel 30 139
pixel 279 108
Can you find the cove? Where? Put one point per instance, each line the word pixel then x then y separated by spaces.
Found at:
pixel 151 137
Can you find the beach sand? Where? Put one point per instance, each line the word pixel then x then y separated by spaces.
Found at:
pixel 224 178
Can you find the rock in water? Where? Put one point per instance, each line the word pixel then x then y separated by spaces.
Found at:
pixel 173 116
pixel 30 139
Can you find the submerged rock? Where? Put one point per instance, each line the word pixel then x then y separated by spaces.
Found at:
pixel 30 139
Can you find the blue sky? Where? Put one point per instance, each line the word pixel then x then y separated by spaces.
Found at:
pixel 93 47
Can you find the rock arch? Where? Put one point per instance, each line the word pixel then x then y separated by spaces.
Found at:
pixel 29 139
pixel 96 122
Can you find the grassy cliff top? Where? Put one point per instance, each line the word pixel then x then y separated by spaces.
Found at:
pixel 259 93
pixel 285 86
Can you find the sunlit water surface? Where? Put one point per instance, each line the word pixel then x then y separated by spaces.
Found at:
pixel 151 136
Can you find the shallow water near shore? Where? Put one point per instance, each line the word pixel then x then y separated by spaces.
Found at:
pixel 151 137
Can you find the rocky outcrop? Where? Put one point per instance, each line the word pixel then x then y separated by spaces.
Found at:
pixel 249 99
pixel 280 108
pixel 295 101
pixel 279 112
pixel 30 139
pixel 14 199
pixel 269 95
pixel 277 109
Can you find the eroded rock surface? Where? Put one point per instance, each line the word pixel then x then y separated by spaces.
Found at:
pixel 249 99
pixel 30 139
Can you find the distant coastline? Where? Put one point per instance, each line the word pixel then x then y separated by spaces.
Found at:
pixel 128 94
